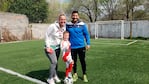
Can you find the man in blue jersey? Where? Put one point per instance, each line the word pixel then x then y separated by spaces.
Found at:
pixel 80 41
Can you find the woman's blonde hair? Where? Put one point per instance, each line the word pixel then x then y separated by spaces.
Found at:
pixel 61 15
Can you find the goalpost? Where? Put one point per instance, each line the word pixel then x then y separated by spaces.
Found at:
pixel 108 29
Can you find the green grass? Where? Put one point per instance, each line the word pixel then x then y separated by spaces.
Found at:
pixel 109 61
pixel 10 79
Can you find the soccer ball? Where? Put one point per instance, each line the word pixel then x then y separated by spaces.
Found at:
pixel 68 81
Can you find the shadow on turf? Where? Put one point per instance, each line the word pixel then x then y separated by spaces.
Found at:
pixel 44 74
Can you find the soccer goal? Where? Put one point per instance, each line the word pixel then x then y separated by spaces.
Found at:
pixel 107 29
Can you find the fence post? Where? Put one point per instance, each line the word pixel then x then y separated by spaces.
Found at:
pixel 0 34
pixel 122 29
pixel 30 27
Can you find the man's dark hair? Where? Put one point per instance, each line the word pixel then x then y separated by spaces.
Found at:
pixel 74 12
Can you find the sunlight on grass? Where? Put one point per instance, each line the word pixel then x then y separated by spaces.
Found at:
pixel 106 63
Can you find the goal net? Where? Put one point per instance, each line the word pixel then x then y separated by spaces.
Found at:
pixel 107 29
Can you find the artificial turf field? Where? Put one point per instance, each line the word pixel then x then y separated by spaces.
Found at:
pixel 109 61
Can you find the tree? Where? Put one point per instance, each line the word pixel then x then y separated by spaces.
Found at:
pixel 4 5
pixel 130 6
pixel 109 8
pixel 88 8
pixel 55 7
pixel 54 10
pixel 131 11
pixel 140 15
pixel 146 6
pixel 94 10
pixel 36 10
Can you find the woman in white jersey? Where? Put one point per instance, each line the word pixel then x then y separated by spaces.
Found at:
pixel 53 38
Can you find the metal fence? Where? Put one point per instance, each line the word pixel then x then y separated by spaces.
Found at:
pixel 112 29
pixel 106 29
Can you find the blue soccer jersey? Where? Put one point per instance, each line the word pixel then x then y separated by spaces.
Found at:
pixel 78 33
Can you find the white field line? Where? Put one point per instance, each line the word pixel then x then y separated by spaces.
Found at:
pixel 132 42
pixel 110 43
pixel 22 76
pixel 117 43
pixel 15 42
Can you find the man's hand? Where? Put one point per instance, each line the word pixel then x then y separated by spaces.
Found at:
pixel 87 47
pixel 50 50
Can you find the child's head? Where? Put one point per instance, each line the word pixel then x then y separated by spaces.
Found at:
pixel 66 35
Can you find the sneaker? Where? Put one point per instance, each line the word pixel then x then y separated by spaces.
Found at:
pixel 85 78
pixel 75 77
pixel 57 80
pixel 50 81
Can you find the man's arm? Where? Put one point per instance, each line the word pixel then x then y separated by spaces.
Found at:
pixel 87 36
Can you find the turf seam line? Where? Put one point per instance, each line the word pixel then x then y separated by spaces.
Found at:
pixel 22 76
pixel 132 42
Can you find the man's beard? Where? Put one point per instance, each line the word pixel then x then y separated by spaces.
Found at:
pixel 74 20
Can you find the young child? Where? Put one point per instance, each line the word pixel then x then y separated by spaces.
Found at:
pixel 66 52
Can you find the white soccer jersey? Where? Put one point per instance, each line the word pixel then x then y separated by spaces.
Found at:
pixel 54 35
pixel 66 51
